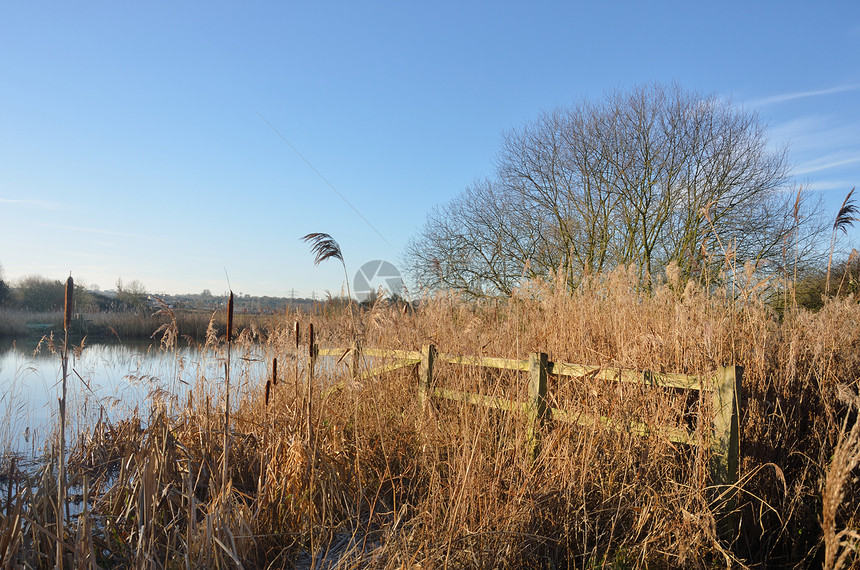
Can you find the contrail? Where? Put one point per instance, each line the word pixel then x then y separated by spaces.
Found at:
pixel 324 179
pixel 782 97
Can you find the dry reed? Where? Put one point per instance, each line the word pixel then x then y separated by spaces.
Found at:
pixel 363 476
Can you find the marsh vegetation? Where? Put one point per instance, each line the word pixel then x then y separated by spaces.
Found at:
pixel 369 479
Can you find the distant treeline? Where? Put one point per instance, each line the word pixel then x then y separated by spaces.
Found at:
pixel 40 294
pixel 33 306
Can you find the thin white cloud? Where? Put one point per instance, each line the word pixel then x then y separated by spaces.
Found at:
pixel 40 204
pixel 783 97
pixel 820 143
pixel 799 126
pixel 104 232
pixel 824 163
pixel 824 185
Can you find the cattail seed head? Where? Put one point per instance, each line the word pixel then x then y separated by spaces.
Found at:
pixel 268 390
pixel 297 335
pixel 274 372
pixel 70 291
pixel 230 317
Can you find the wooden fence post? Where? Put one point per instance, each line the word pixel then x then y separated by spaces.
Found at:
pixel 725 446
pixel 536 405
pixel 425 375
pixel 356 359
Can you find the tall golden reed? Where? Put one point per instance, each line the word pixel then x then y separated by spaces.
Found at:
pixel 296 331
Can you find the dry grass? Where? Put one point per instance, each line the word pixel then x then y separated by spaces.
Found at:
pixel 16 323
pixel 377 482
pixel 123 326
pixel 192 325
pixel 841 546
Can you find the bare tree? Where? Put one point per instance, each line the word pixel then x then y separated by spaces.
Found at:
pixel 5 290
pixel 480 246
pixel 133 294
pixel 646 176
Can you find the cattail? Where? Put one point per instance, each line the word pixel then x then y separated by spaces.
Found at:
pixel 311 358
pixel 274 372
pixel 70 291
pixel 225 469
pixel 296 327
pixel 230 317
pixel 268 390
pixel 61 464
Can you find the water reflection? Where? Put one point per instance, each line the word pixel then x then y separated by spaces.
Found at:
pixel 105 380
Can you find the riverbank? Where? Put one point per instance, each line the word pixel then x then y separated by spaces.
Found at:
pixel 123 325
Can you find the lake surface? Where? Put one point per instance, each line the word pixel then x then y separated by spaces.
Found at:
pixel 105 379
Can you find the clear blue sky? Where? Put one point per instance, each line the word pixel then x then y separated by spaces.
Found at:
pixel 132 144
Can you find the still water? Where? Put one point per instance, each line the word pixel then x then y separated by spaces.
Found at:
pixel 108 380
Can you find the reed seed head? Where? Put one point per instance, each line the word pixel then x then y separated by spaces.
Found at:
pixel 323 247
pixel 848 214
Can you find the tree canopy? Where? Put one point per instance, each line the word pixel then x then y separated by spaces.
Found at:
pixel 644 176
pixel 5 290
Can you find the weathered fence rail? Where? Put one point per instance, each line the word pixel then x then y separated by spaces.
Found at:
pixel 725 388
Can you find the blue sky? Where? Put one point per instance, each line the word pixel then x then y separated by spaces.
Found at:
pixel 134 141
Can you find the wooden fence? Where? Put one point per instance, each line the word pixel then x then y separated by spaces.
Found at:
pixel 724 386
